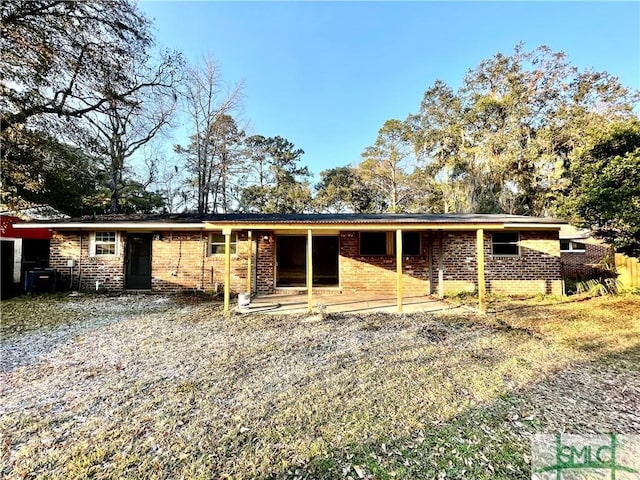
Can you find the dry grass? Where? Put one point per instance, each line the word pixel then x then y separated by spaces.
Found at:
pixel 163 389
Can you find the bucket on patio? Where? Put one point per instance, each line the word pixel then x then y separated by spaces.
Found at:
pixel 244 300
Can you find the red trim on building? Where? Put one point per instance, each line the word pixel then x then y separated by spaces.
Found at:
pixel 7 230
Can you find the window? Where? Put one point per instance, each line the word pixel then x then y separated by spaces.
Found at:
pixel 373 243
pixel 383 243
pixel 571 246
pixel 105 243
pixel 411 244
pixel 505 244
pixel 216 244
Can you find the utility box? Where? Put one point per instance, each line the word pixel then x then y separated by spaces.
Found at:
pixel 44 280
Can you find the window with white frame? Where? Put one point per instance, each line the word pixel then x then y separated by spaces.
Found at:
pixel 571 246
pixel 216 244
pixel 105 244
pixel 505 244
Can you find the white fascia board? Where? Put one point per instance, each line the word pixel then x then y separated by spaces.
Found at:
pixel 113 226
pixel 575 236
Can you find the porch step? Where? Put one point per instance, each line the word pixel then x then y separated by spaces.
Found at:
pixel 303 291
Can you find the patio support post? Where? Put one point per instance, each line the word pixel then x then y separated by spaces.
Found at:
pixel 227 269
pixel 430 262
pixel 309 270
pixel 399 269
pixel 249 260
pixel 440 267
pixel 482 301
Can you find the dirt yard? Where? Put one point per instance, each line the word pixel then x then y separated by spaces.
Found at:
pixel 166 387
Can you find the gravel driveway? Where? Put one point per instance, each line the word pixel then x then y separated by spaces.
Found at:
pixel 32 341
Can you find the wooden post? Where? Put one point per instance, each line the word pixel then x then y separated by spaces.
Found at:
pixel 227 270
pixel 440 267
pixel 399 269
pixel 482 301
pixel 249 261
pixel 430 262
pixel 309 270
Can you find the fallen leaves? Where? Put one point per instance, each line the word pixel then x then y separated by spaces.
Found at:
pixel 143 386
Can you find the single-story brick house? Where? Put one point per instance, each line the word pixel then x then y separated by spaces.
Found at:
pixel 409 254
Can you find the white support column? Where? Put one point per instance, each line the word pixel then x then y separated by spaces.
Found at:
pixel 17 259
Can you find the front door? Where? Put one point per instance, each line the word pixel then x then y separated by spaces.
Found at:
pixel 138 261
pixel 291 258
pixel 291 261
pixel 326 251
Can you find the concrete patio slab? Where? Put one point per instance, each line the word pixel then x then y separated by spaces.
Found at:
pixel 346 303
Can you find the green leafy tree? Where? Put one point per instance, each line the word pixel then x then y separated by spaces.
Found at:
pixel 56 55
pixel 605 190
pixel 341 190
pixel 64 64
pixel 278 183
pixel 215 161
pixel 385 164
pixel 46 171
pixel 135 197
pixel 503 141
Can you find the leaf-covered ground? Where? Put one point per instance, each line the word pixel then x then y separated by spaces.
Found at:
pixel 156 387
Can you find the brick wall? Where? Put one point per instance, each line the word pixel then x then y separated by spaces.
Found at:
pixel 180 261
pixel 577 265
pixel 107 271
pixel 377 273
pixel 536 270
pixel 265 262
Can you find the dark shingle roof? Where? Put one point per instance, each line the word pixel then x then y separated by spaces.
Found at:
pixel 319 218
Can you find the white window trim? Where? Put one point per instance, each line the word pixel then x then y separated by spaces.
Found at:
pixel 234 241
pixel 92 245
pixel 572 247
pixel 505 255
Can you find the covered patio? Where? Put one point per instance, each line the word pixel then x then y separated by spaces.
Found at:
pixel 300 267
pixel 345 303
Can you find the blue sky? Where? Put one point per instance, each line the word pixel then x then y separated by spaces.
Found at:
pixel 326 75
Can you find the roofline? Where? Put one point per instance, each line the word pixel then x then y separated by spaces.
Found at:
pixel 114 226
pixel 575 236
pixel 240 225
